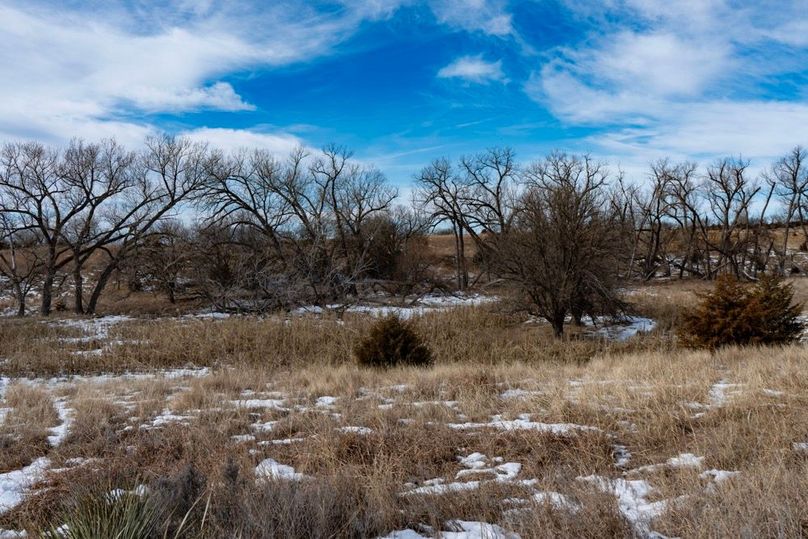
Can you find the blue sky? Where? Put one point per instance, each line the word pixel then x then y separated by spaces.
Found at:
pixel 403 81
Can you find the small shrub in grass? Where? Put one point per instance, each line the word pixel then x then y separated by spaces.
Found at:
pixel 734 313
pixel 109 514
pixel 392 342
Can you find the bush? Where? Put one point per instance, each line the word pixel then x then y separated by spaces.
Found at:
pixel 118 514
pixel 392 342
pixel 736 314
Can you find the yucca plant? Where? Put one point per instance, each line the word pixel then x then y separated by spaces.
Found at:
pixel 113 514
pixel 118 514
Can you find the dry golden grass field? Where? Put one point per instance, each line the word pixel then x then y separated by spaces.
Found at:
pixel 202 426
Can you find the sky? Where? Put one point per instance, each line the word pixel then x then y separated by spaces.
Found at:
pixel 402 82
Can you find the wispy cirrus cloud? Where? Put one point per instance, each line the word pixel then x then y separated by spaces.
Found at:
pixel 473 69
pixel 683 79
pixel 488 16
pixel 88 71
pixel 231 140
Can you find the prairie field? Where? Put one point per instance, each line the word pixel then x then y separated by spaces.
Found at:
pixel 246 426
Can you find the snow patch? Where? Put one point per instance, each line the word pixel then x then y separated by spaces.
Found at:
pixel 523 423
pixel 15 484
pixel 685 460
pixel 632 501
pixel 459 529
pixel 627 329
pixel 326 401
pixel 59 432
pixel 357 430
pixel 272 469
pixel 518 394
pixel 276 404
pixel 424 305
pixel 165 418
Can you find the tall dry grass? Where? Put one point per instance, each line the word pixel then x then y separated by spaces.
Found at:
pixel 647 396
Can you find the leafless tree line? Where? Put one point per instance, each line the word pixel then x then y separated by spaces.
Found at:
pixel 253 231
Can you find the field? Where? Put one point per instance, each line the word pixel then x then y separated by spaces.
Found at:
pixel 213 426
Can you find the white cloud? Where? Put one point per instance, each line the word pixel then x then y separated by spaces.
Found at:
pixel 660 63
pixel 754 129
pixel 473 69
pixel 84 71
pixel 231 140
pixel 219 96
pixel 488 16
pixel 667 84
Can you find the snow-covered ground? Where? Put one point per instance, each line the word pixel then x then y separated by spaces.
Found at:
pixel 423 305
pixel 632 491
pixel 533 407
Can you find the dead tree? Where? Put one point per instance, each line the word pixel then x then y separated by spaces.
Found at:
pixel 35 194
pixel 788 177
pixel 168 173
pixel 565 248
pixel 442 193
pixel 20 258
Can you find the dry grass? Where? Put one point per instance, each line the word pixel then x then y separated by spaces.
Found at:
pixel 23 434
pixel 195 438
pixel 478 335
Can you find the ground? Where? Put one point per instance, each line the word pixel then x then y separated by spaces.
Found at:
pixel 265 427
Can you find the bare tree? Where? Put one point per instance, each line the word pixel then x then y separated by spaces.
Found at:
pixel 100 172
pixel 161 260
pixel 35 194
pixel 729 193
pixel 788 177
pixel 318 213
pixel 168 173
pixel 564 249
pixel 442 193
pixel 20 258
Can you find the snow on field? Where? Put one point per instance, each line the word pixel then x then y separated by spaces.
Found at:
pixel 632 495
pixel 523 422
pixel 476 465
pixel 622 455
pixel 356 430
pixel 166 418
pixel 624 330
pixel 721 391
pixel 426 304
pixel 272 469
pixel 95 329
pixel 518 394
pixel 15 484
pixel 326 401
pixel 716 477
pixel 59 432
pixel 685 460
pixel 275 404
pixel 457 529
pixel 632 500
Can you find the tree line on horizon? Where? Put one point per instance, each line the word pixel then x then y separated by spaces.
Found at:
pixel 252 231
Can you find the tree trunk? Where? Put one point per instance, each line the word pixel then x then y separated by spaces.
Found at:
pixel 20 299
pixel 171 295
pixel 558 326
pixel 458 251
pixel 78 290
pixel 103 279
pixel 47 292
pixel 464 272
